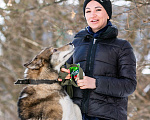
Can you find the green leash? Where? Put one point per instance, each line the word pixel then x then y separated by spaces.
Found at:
pixel 76 72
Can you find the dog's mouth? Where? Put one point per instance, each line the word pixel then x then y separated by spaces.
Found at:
pixel 68 53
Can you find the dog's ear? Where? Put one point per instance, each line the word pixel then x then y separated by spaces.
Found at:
pixel 34 64
pixel 38 61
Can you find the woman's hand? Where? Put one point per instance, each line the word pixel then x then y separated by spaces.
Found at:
pixel 87 83
pixel 67 71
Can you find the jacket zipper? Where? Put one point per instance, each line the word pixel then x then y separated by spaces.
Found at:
pixel 86 93
pixel 94 41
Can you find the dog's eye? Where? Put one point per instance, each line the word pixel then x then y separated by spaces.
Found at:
pixel 55 50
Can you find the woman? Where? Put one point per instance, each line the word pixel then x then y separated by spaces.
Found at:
pixel 109 65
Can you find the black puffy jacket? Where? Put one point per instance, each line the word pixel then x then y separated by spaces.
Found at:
pixel 112 63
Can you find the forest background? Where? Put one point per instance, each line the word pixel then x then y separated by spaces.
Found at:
pixel 28 26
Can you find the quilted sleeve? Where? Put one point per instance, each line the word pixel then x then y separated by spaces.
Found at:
pixel 125 84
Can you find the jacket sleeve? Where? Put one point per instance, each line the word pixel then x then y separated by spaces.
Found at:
pixel 125 83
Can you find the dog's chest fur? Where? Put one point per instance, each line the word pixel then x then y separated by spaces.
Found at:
pixel 41 100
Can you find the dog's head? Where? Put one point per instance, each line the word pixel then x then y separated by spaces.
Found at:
pixel 52 58
pixel 61 55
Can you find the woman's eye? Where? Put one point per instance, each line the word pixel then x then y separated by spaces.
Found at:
pixel 98 10
pixel 88 11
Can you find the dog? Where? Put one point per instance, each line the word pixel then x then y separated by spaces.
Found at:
pixel 47 101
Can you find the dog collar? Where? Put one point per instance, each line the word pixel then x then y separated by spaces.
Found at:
pixel 35 82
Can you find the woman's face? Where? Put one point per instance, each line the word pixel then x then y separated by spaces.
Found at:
pixel 96 16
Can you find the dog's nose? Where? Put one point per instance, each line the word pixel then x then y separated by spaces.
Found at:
pixel 71 44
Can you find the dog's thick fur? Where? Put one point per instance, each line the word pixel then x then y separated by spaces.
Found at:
pixel 47 101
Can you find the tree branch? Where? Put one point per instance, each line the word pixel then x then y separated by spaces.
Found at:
pixel 128 11
pixel 31 42
pixel 32 8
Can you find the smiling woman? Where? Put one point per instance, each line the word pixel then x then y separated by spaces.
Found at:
pixel 108 63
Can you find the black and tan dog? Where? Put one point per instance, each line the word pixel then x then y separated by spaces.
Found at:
pixel 46 101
